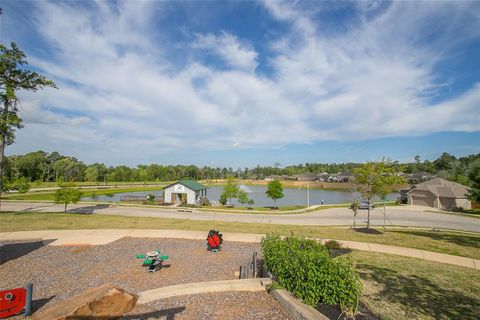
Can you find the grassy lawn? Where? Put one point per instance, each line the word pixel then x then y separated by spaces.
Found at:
pixel 50 196
pixel 51 184
pixel 455 243
pixel 408 288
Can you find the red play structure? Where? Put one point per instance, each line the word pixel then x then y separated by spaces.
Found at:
pixel 15 301
pixel 214 240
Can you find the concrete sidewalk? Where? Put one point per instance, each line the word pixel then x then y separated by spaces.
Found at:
pixel 105 236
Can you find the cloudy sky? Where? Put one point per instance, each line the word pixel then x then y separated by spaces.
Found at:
pixel 247 83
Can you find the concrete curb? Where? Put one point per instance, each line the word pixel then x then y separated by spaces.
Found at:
pixel 105 236
pixel 296 308
pixel 257 284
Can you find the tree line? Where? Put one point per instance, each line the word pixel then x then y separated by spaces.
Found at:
pixel 50 167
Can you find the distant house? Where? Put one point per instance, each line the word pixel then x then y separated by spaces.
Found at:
pixel 184 192
pixel 439 193
pixel 272 177
pixel 344 176
pixel 306 177
pixel 323 177
pixel 420 176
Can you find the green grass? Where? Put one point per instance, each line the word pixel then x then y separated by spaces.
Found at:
pixel 455 243
pixel 50 196
pixel 408 288
pixel 93 183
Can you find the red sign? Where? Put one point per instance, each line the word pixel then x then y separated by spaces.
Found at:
pixel 12 302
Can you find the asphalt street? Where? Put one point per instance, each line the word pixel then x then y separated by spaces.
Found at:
pixel 395 216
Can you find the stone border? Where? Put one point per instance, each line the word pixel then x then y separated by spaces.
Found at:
pixel 296 308
pixel 257 284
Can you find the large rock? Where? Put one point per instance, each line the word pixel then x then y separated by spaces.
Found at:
pixel 104 302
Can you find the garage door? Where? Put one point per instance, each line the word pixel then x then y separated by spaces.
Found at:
pixel 422 201
pixel 447 203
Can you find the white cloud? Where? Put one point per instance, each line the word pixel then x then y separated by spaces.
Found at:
pixel 118 95
pixel 236 53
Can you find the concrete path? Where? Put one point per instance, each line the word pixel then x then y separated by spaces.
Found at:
pixel 105 236
pixel 411 216
pixel 257 284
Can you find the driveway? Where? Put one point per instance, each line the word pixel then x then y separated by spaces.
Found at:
pixel 395 216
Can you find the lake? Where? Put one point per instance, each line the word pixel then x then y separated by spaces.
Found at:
pixel 292 196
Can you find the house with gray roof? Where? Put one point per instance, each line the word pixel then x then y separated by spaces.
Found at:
pixel 420 176
pixel 439 193
pixel 305 177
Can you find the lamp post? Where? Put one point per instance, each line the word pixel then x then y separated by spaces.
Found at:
pixel 308 194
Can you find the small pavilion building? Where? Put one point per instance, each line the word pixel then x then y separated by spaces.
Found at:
pixel 184 192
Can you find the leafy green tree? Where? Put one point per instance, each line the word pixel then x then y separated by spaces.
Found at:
pixel 223 199
pixel 14 76
pixel 68 169
pixel 251 203
pixel 243 197
pixel 274 190
pixel 375 179
pixel 444 162
pixel 66 194
pixel 22 185
pixel 231 189
pixel 91 174
pixel 474 176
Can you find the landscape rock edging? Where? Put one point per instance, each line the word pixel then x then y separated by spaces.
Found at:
pixel 296 308
pixel 105 302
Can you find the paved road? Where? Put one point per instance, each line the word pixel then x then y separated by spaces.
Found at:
pixel 395 216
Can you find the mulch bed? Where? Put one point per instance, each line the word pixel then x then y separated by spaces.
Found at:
pixel 58 273
pixel 225 305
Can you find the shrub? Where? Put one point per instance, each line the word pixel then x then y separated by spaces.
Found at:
pixel 223 199
pixel 150 198
pixel 332 245
pixel 304 267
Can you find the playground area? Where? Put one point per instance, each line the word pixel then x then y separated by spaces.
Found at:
pixel 60 272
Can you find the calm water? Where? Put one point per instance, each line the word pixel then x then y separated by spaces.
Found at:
pixel 257 193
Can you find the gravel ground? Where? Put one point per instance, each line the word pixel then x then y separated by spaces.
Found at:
pixel 58 273
pixel 225 305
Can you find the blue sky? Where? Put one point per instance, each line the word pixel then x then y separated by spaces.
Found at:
pixel 245 83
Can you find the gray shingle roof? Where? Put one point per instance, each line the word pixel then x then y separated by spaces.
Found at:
pixel 443 188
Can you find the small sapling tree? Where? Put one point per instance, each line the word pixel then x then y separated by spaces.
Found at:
pixel 354 206
pixel 223 199
pixel 242 197
pixel 375 179
pixel 66 194
pixel 274 191
pixel 231 189
pixel 22 185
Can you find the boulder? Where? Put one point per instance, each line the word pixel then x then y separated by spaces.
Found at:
pixel 104 302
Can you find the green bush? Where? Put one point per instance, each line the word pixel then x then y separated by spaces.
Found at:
pixel 332 245
pixel 304 267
